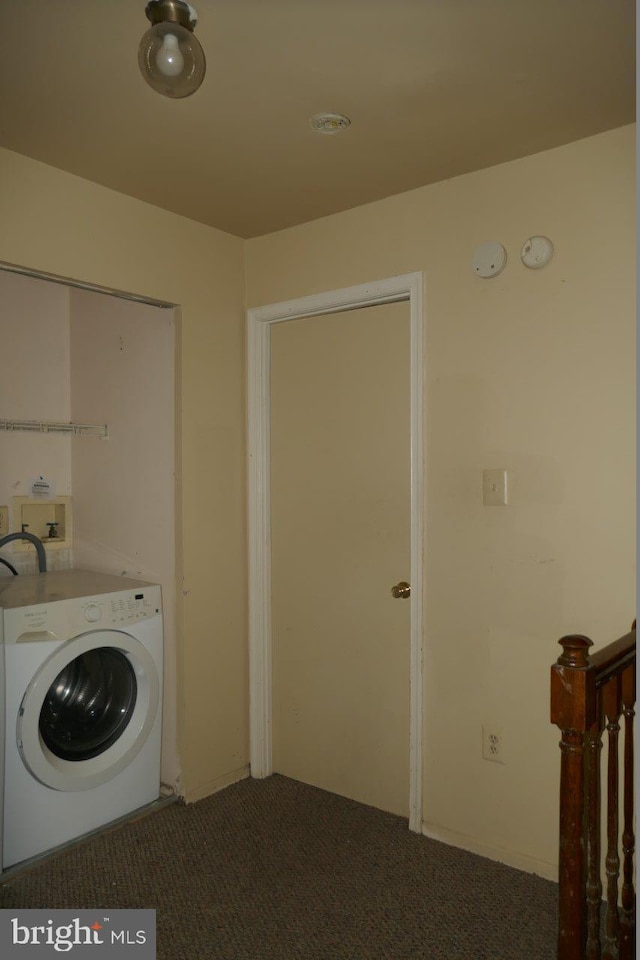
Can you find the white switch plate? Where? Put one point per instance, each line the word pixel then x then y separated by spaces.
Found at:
pixel 495 488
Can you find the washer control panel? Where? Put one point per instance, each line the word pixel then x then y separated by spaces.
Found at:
pixel 67 618
pixel 114 611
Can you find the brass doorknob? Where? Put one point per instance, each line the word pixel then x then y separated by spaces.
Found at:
pixel 401 590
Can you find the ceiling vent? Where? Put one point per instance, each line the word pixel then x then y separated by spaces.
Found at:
pixel 330 123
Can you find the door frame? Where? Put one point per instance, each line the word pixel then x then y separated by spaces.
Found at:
pixel 408 287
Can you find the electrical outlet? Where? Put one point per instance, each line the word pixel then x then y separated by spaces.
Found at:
pixel 4 521
pixel 492 743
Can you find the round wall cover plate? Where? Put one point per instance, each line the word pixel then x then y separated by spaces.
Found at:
pixel 536 252
pixel 489 259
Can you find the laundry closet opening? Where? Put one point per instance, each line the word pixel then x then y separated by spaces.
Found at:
pixel 76 354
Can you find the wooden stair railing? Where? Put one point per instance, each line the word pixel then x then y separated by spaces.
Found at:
pixel 588 696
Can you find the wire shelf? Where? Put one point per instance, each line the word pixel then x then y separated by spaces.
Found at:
pixel 56 426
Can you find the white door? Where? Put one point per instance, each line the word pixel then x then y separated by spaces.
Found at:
pixel 340 540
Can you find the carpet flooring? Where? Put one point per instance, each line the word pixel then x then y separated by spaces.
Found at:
pixel 277 870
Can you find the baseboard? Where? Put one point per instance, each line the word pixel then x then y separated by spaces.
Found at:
pixel 520 861
pixel 205 790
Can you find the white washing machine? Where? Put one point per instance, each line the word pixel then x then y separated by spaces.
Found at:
pixel 82 658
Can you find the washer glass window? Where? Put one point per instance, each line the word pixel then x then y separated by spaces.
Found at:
pixel 89 704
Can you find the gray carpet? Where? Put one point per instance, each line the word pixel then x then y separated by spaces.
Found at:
pixel 277 870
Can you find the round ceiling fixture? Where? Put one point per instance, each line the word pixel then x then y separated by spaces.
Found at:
pixel 170 58
pixel 330 123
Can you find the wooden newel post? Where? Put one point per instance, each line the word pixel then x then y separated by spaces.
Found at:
pixel 573 710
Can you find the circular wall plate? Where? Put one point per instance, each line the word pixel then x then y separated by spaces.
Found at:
pixel 536 252
pixel 489 259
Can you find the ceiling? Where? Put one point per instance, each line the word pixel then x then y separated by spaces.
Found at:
pixel 434 89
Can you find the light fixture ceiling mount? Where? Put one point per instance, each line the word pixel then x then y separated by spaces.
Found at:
pixel 170 58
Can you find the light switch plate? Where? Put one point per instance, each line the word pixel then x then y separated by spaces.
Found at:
pixel 495 488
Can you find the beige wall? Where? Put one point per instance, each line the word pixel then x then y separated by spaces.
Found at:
pixel 54 222
pixel 532 371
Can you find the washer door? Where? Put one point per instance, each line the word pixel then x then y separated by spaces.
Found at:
pixel 88 710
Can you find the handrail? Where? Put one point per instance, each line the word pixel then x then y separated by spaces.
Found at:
pixel 614 658
pixel 588 696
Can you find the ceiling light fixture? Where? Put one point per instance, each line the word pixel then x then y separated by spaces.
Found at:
pixel 170 58
pixel 330 123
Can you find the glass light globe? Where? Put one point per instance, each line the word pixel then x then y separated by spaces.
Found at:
pixel 171 60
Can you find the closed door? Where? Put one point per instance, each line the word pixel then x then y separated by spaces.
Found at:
pixel 340 529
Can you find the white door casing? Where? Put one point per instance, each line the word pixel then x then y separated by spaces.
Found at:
pixel 408 287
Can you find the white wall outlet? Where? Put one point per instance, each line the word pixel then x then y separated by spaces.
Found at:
pixel 495 488
pixel 492 747
pixel 4 521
